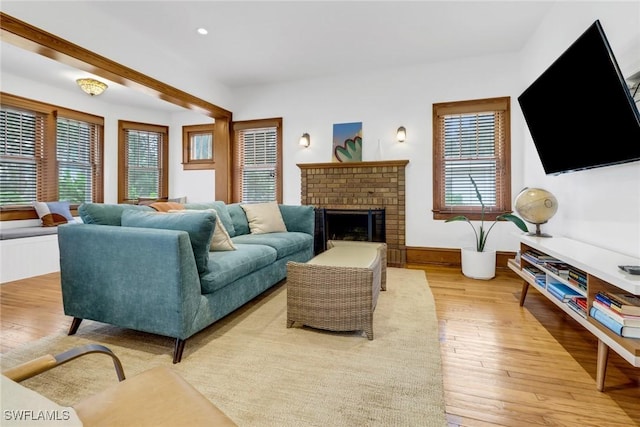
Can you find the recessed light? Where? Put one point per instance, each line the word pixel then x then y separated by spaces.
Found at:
pixel 203 31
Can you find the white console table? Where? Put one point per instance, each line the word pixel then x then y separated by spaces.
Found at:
pixel 602 272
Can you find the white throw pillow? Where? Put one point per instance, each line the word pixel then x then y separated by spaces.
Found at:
pixel 221 241
pixel 264 217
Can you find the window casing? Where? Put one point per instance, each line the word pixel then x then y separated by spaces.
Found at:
pixel 471 138
pixel 198 147
pixel 257 161
pixel 47 153
pixel 143 166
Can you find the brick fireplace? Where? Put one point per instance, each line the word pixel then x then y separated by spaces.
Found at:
pixel 362 185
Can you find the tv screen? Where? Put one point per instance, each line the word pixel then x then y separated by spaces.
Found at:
pixel 580 112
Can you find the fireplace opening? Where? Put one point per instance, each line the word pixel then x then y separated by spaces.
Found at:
pixel 365 225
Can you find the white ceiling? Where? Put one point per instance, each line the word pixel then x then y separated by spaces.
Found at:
pixel 263 42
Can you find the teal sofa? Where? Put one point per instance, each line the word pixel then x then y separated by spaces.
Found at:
pixel 135 268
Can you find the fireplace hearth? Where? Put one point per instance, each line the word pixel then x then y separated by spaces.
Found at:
pixel 361 186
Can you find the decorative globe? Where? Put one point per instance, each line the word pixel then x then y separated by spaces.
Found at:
pixel 536 206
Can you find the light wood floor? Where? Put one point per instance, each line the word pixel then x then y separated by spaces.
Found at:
pixel 503 365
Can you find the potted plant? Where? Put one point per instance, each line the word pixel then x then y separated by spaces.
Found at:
pixel 478 263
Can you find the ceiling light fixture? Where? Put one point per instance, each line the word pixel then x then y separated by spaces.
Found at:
pixel 203 31
pixel 91 86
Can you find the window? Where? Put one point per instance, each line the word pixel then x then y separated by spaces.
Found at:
pixel 79 155
pixel 197 147
pixel 471 138
pixel 257 161
pixel 143 163
pixel 47 153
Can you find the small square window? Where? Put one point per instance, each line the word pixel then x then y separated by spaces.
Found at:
pixel 197 147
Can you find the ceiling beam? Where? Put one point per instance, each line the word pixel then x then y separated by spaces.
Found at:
pixel 33 39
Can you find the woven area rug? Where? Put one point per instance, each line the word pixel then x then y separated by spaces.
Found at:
pixel 261 373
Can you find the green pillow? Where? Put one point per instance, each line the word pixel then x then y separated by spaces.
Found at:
pixel 221 210
pixel 106 214
pixel 239 218
pixel 200 227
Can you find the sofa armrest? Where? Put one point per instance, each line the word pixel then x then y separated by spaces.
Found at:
pixel 138 278
pixel 301 218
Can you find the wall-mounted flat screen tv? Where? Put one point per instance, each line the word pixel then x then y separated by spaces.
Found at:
pixel 580 112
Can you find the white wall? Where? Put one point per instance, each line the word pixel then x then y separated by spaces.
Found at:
pixel 597 206
pixel 600 206
pixel 382 101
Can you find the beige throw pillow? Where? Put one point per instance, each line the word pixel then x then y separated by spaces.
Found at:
pixel 221 241
pixel 264 217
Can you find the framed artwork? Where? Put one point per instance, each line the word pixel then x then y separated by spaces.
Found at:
pixel 347 142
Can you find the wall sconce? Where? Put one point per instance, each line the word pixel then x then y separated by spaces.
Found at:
pixel 305 140
pixel 401 135
pixel 91 86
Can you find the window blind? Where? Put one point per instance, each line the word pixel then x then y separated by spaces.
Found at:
pixel 144 165
pixel 77 151
pixel 22 155
pixel 472 147
pixel 256 164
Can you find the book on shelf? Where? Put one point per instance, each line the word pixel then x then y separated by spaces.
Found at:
pixel 623 319
pixel 581 301
pixel 562 291
pixel 620 302
pixel 559 268
pixel 537 257
pixel 577 284
pixel 611 324
pixel 535 272
pixel 579 305
pixel 578 275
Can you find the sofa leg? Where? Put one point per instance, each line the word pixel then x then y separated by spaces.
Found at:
pixel 177 352
pixel 75 324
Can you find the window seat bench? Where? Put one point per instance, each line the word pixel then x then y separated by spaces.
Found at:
pixel 21 232
pixel 28 251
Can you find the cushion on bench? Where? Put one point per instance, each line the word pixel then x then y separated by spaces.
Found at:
pixel 20 232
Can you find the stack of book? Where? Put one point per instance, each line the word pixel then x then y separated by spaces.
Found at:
pixel 537 257
pixel 578 304
pixel 538 275
pixel 619 312
pixel 561 291
pixel 559 268
pixel 578 278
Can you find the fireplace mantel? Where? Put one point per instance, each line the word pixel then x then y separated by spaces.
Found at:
pixel 361 185
pixel 381 163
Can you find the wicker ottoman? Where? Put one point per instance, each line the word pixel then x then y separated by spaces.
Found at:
pixel 382 247
pixel 336 290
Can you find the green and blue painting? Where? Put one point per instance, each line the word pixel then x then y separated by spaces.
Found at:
pixel 347 142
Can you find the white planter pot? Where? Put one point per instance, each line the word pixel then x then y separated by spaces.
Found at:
pixel 478 265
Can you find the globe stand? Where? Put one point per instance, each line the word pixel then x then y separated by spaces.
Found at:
pixel 539 233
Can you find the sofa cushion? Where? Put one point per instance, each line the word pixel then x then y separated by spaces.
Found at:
pixel 166 206
pixel 53 213
pixel 226 267
pixel 107 214
pixel 199 226
pixel 221 241
pixel 221 210
pixel 285 244
pixel 239 218
pixel 264 217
